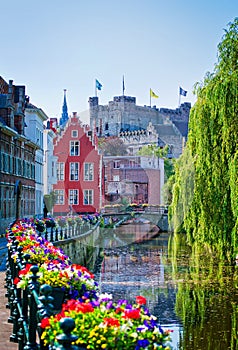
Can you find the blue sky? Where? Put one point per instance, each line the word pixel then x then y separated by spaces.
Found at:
pixel 51 45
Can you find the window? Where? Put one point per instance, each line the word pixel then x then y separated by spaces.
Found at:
pixel 74 148
pixel 116 178
pixel 116 164
pixel 53 169
pixel 74 171
pixel 88 171
pixel 59 196
pixel 73 197
pixel 132 164
pixel 60 171
pixel 74 133
pixel 87 197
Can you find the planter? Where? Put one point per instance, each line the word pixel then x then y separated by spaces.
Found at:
pixel 40 228
pixel 49 224
pixel 59 295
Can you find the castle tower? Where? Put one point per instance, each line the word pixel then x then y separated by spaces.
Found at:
pixel 64 116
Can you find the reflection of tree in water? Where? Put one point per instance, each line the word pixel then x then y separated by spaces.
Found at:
pixel 207 301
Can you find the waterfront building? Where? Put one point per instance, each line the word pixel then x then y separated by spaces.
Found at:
pixel 79 169
pixel 34 130
pixel 50 161
pixel 17 156
pixel 137 179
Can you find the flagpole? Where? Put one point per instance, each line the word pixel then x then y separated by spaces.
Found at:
pixel 95 88
pixel 150 97
pixel 179 98
pixel 123 86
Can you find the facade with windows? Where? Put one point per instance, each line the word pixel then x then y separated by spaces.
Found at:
pixel 35 117
pixel 50 161
pixel 138 179
pixel 78 170
pixel 17 156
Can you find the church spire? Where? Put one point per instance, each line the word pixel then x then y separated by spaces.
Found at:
pixel 64 116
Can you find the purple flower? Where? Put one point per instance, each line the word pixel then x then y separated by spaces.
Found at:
pixel 109 305
pixel 143 343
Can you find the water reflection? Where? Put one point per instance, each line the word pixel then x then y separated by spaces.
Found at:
pixel 191 291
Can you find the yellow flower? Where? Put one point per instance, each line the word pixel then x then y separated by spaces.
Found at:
pixel 134 335
pixel 103 346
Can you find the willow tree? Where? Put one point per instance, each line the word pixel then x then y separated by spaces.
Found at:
pixel 208 210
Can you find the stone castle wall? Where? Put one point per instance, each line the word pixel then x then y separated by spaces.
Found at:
pixel 122 114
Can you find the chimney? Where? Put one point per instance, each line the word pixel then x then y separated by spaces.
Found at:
pixel 10 105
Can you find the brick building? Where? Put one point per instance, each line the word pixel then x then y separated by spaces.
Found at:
pixel 138 179
pixel 17 156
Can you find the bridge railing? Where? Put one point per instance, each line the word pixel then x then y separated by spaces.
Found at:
pixel 147 208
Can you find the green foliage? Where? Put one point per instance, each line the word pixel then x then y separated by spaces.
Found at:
pixel 50 200
pixel 153 150
pixel 112 146
pixel 208 210
pixel 207 286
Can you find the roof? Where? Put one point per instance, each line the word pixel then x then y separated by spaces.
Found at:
pixel 182 126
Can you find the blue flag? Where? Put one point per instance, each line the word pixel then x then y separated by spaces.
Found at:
pixel 98 85
pixel 182 92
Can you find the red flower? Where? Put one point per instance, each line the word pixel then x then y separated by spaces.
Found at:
pixel 59 316
pixel 118 309
pixel 78 306
pixel 140 300
pixel 133 314
pixel 70 305
pixel 25 270
pixel 84 308
pixel 45 322
pixel 111 321
pixel 16 280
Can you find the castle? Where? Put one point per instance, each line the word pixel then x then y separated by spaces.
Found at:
pixel 122 116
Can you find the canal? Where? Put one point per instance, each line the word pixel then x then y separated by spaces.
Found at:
pixel 193 293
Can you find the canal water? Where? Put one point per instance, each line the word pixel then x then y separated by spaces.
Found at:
pixel 193 293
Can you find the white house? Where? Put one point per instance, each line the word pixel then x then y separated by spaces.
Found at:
pixel 34 130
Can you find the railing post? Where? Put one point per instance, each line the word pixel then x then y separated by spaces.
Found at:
pixel 33 286
pixel 66 339
pixel 45 308
pixel 51 234
pixel 56 234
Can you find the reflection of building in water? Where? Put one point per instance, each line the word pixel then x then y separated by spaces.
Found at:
pixel 127 274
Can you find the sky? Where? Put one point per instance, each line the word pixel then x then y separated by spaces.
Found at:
pixel 52 45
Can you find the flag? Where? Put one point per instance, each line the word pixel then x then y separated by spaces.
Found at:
pixel 152 94
pixel 98 85
pixel 123 85
pixel 182 92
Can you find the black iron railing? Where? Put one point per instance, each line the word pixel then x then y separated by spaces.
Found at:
pixel 57 233
pixel 27 307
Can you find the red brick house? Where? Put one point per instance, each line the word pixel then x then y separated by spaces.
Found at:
pixel 79 169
